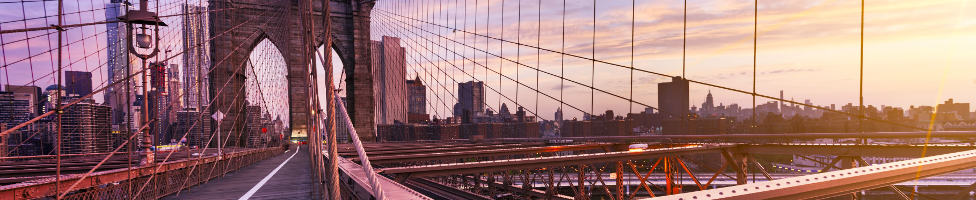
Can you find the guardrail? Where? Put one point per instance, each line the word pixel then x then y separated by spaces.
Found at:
pixel 170 178
pixel 828 184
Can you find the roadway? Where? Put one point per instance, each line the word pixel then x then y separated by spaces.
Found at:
pixel 285 176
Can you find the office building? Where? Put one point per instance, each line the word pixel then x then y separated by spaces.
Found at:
pixel 159 104
pixel 78 83
pixel 3 141
pixel 188 123
pixel 389 87
pixel 30 93
pixel 14 111
pixel 196 57
pixel 471 99
pixel 418 96
pixel 673 98
pixel 116 50
pixel 86 128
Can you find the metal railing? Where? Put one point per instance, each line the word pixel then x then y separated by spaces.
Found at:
pixel 364 159
pixel 116 184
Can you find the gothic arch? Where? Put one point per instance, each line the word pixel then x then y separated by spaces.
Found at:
pixel 280 22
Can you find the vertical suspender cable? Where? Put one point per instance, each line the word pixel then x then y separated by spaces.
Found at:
pixel 330 93
pixel 593 65
pixel 538 54
pixel 57 107
pixel 518 51
pixel 755 37
pixel 633 21
pixel 487 33
pixel 860 120
pixel 562 61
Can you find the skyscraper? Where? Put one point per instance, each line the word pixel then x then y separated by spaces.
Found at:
pixel 389 72
pixel 186 123
pixel 418 96
pixel 196 63
pixel 30 93
pixel 13 112
pixel 78 83
pixel 673 98
pixel 174 89
pixel 159 103
pixel 116 51
pixel 86 128
pixel 471 98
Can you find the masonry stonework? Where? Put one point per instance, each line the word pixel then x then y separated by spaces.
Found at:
pixel 237 32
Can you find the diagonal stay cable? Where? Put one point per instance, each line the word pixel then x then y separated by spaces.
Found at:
pixel 666 75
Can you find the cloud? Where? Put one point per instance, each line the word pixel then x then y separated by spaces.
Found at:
pixel 787 70
pixel 564 86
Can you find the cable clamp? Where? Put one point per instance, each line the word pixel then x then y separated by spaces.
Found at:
pixel 59 28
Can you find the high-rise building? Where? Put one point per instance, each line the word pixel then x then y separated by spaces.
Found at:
pixel 13 112
pixel 279 130
pixel 187 122
pixel 117 53
pixel 673 98
pixel 471 98
pixel 174 89
pixel 196 57
pixel 389 72
pixel 52 94
pixel 254 136
pixel 78 83
pixel 174 86
pixel 3 141
pixel 418 96
pixel 86 128
pixel 159 105
pixel 30 93
pixel 342 132
pixel 558 116
pixel 196 67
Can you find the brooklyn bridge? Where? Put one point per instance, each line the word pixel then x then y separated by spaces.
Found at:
pixel 486 99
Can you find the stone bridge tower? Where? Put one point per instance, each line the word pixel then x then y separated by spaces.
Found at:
pixel 237 26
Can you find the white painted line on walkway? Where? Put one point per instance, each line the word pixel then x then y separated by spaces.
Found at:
pixel 268 177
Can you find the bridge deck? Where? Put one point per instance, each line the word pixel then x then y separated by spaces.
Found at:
pixel 292 181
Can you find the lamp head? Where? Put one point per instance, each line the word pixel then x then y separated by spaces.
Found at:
pixel 144 40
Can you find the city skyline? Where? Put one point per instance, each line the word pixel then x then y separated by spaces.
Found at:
pixel 796 40
pixel 908 46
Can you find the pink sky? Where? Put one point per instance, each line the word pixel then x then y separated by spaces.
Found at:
pixel 915 52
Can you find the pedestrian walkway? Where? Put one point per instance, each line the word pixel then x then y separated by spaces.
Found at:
pixel 286 176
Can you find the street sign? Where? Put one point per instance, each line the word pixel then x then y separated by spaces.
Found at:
pixel 219 116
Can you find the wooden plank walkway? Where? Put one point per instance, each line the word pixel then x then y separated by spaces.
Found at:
pixel 292 181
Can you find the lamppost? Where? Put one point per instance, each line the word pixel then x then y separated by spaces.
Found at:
pixel 145 41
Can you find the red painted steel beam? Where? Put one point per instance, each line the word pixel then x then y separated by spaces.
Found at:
pixel 480 153
pixel 387 146
pixel 841 182
pixel 441 149
pixel 872 150
pixel 528 163
pixel 754 137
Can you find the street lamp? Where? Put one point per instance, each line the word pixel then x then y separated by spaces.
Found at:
pixel 146 41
